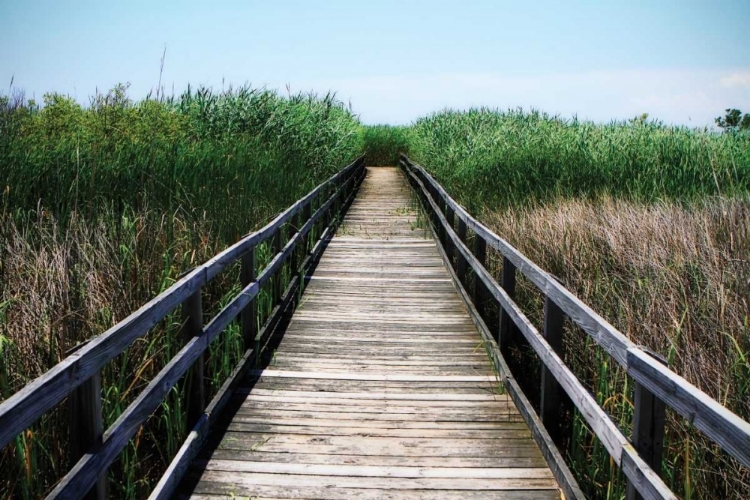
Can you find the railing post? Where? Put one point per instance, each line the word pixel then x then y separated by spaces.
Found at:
pixel 554 402
pixel 293 260
pixel 86 427
pixel 480 252
pixel 306 214
pixel 461 264
pixel 249 315
pixel 275 249
pixel 192 326
pixel 506 333
pixel 441 232
pixel 448 245
pixel 649 413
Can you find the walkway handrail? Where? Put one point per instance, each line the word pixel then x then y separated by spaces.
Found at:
pixel 655 383
pixel 79 372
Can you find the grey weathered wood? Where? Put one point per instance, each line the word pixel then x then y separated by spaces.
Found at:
pixel 460 260
pixel 645 481
pixel 448 243
pixel 721 425
pixel 551 406
pixel 277 279
pixel 195 388
pixel 249 315
pixel 86 427
pixel 479 296
pixel 506 335
pixel 649 416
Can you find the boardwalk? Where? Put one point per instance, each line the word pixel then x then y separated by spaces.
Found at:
pixel 380 388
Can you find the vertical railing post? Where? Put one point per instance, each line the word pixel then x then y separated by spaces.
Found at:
pixel 293 260
pixel 86 427
pixel 649 413
pixel 506 330
pixel 249 315
pixel 441 232
pixel 306 214
pixel 480 252
pixel 448 245
pixel 275 249
pixel 553 401
pixel 192 326
pixel 461 264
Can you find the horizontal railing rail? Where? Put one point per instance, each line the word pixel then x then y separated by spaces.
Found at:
pixel 656 384
pixel 78 375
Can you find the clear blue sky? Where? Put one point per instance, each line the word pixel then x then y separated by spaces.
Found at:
pixel 681 61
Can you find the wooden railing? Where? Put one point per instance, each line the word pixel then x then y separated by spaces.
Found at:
pixel 78 375
pixel 656 385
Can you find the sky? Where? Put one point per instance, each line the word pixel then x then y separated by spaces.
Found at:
pixel 683 62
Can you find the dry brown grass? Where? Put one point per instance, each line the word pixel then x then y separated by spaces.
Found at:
pixel 62 286
pixel 674 278
pixel 59 287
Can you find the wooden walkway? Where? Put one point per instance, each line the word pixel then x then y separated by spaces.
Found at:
pixel 380 388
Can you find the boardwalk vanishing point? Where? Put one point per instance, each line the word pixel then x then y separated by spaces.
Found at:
pixel 381 386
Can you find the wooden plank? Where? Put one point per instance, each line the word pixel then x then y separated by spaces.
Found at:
pixel 374 422
pixel 208 490
pixel 392 483
pixel 378 460
pixel 374 377
pixel 361 471
pixel 372 396
pixel 486 434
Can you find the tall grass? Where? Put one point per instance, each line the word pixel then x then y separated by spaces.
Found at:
pixel 491 158
pixel 647 224
pixel 104 206
pixel 383 143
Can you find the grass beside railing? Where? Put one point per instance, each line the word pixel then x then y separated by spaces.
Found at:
pixel 645 223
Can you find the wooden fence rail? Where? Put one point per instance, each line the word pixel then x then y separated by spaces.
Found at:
pixel 656 384
pixel 78 375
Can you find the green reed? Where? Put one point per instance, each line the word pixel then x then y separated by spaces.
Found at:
pixel 104 206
